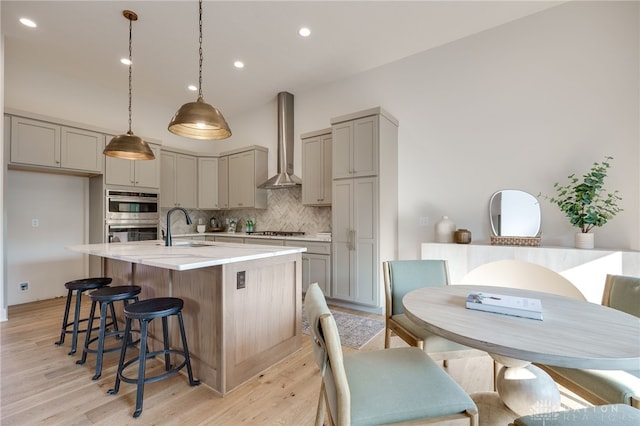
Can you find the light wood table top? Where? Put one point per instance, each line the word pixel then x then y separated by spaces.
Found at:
pixel 573 333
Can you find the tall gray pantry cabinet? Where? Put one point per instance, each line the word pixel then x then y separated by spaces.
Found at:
pixel 365 203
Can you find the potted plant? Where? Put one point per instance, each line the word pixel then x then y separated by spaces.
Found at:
pixel 586 203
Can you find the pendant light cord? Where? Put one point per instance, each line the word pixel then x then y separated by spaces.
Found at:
pixel 130 63
pixel 200 51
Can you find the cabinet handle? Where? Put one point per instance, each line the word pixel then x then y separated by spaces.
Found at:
pixel 320 199
pixel 352 239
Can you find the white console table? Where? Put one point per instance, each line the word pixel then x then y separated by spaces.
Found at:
pixel 586 269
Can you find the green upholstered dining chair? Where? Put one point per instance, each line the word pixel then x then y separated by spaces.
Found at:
pixel 401 277
pixel 607 386
pixel 382 386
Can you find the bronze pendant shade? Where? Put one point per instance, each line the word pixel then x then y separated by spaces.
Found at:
pixel 129 146
pixel 199 120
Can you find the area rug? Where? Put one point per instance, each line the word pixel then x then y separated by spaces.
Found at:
pixel 355 331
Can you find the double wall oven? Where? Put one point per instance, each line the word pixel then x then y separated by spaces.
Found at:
pixel 131 216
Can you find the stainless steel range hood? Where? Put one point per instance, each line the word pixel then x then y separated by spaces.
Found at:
pixel 284 177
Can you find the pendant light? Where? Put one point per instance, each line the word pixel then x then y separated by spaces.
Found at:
pixel 199 120
pixel 129 146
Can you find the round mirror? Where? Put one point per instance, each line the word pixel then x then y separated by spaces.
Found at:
pixel 514 213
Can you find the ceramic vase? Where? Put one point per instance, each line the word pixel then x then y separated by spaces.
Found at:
pixel 444 230
pixel 584 240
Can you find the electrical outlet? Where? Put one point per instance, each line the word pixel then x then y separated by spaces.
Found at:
pixel 35 223
pixel 240 277
pixel 423 221
pixel 23 286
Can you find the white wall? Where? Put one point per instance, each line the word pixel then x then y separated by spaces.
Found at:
pixel 37 254
pixel 519 106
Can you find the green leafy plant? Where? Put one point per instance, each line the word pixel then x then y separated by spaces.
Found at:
pixel 586 203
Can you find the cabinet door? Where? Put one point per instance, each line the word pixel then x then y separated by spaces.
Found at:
pixel 208 183
pixel 342 246
pixel 354 240
pixel 365 146
pixel 118 171
pixel 316 171
pixel 186 181
pixel 35 142
pixel 81 150
pixel 167 179
pixel 342 135
pixel 241 180
pixel 365 199
pixel 316 268
pixel 147 172
pixel 223 182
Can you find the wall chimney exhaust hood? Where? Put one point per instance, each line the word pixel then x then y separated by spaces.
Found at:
pixel 284 177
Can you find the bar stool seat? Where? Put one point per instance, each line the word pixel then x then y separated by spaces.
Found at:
pixel 145 311
pixel 79 286
pixel 106 296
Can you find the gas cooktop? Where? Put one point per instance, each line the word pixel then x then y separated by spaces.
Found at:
pixel 277 233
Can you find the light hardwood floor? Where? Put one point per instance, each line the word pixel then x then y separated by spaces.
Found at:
pixel 41 384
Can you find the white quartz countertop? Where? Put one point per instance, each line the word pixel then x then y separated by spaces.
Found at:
pixel 182 256
pixel 319 238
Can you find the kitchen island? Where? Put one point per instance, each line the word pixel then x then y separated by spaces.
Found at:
pixel 242 302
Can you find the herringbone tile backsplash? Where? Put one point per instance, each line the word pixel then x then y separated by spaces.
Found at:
pixel 285 212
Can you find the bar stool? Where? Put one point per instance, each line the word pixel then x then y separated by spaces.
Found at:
pixel 79 286
pixel 106 296
pixel 145 311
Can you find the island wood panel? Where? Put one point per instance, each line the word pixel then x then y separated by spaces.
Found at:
pixel 154 283
pixel 201 290
pixel 233 334
pixel 262 322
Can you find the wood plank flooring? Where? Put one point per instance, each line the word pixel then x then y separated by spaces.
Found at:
pixel 41 384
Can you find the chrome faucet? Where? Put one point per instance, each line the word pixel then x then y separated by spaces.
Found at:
pixel 186 215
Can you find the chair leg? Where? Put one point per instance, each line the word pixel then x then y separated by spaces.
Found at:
pixel 187 357
pixel 142 361
pixel 321 410
pixel 87 336
pixel 76 323
pixel 101 337
pixel 165 339
pixel 123 353
pixel 387 337
pixel 65 319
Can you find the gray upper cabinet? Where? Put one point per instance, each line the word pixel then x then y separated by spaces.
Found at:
pixel 41 143
pixel 355 148
pixel 316 168
pixel 178 180
pixel 247 170
pixel 208 183
pixel 223 182
pixel 143 173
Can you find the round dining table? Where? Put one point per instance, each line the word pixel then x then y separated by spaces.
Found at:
pixel 572 333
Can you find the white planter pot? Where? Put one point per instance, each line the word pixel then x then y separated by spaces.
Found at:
pixel 584 240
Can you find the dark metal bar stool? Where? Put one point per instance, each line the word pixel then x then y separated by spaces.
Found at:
pixel 106 296
pixel 79 286
pixel 145 311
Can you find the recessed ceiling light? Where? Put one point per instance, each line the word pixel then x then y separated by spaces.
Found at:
pixel 192 87
pixel 238 64
pixel 28 22
pixel 304 32
pixel 126 61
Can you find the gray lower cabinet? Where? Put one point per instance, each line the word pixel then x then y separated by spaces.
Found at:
pixel 316 264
